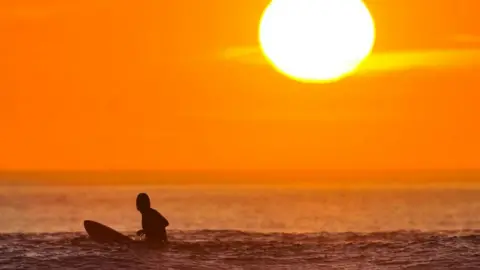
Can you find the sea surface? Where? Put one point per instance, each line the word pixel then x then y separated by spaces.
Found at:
pixel 235 227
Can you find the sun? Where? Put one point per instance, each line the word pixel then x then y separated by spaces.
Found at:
pixel 316 40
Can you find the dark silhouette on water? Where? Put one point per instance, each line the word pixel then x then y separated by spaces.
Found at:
pixel 153 223
pixel 103 234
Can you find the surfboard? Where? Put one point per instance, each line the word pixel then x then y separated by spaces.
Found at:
pixel 104 234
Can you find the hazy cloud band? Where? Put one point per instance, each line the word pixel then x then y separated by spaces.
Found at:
pixel 382 62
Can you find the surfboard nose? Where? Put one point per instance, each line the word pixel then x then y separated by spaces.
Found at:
pixel 103 234
pixel 87 223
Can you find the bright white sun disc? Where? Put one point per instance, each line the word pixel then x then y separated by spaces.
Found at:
pixel 316 40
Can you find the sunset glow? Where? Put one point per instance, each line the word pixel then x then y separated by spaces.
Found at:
pixel 316 40
pixel 160 85
pixel 250 134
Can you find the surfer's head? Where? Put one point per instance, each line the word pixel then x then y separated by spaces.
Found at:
pixel 143 202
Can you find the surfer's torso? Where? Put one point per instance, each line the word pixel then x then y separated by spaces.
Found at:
pixel 154 224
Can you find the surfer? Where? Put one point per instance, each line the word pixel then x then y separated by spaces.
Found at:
pixel 153 223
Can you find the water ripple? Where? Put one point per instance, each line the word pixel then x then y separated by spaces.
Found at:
pixel 223 249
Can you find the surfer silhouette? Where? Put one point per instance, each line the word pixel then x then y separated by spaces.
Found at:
pixel 153 223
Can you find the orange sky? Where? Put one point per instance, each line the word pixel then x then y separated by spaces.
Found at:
pixel 103 84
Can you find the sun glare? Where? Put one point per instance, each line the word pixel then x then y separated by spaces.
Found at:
pixel 316 40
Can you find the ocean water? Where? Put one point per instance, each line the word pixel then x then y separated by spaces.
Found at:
pixel 234 227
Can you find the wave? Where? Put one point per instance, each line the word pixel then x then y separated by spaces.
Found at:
pixel 227 249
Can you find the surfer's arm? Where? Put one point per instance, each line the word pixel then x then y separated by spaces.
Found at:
pixel 164 221
pixel 160 220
